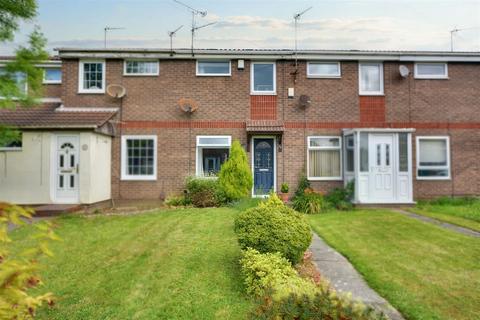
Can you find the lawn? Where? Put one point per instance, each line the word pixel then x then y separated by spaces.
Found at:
pixel 426 272
pixel 171 264
pixel 464 214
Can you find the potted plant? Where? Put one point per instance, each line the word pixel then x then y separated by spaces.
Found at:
pixel 284 190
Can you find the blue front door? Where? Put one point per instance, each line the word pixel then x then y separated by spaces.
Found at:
pixel 264 164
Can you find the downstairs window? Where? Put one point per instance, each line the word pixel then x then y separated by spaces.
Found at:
pixel 212 152
pixel 433 158
pixel 324 160
pixel 139 157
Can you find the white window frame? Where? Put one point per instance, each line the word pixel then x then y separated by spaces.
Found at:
pixel 313 75
pixel 13 148
pixel 370 93
pixel 124 158
pixel 199 172
pixel 81 63
pixel 2 66
pixel 213 74
pixel 339 148
pixel 140 74
pixel 432 76
pixel 265 93
pixel 447 167
pixel 45 81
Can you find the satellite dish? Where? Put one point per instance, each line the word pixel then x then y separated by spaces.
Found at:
pixel 187 105
pixel 304 101
pixel 116 91
pixel 404 72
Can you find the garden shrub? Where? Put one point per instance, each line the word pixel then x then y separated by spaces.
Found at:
pixel 264 270
pixel 324 303
pixel 235 177
pixel 341 198
pixel 303 184
pixel 451 201
pixel 204 192
pixel 177 201
pixel 311 203
pixel 273 227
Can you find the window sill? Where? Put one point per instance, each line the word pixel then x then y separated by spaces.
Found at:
pixel 138 178
pixel 213 75
pixel 323 77
pixel 52 82
pixel 368 94
pixel 263 93
pixel 10 149
pixel 325 179
pixel 434 178
pixel 91 92
pixel 431 78
pixel 141 74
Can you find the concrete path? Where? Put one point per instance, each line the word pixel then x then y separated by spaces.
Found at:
pixel 344 278
pixel 439 223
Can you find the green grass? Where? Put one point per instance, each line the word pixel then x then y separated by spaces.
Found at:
pixel 426 272
pixel 174 264
pixel 465 213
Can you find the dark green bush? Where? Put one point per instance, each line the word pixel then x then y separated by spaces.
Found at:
pixel 341 198
pixel 310 203
pixel 303 184
pixel 204 192
pixel 176 201
pixel 273 227
pixel 235 176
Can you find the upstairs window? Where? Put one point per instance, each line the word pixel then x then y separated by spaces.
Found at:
pixel 370 78
pixel 324 159
pixel 19 78
pixel 433 158
pixel 141 68
pixel 52 75
pixel 213 68
pixel 212 152
pixel 431 70
pixel 92 77
pixel 263 76
pixel 323 70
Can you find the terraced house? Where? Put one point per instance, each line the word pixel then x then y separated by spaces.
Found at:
pixel 134 123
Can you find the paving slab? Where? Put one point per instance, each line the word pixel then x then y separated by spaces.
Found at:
pixel 445 225
pixel 344 278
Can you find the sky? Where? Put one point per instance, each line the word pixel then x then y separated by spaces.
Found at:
pixel 330 24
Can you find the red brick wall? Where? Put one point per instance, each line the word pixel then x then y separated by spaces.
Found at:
pixel 446 107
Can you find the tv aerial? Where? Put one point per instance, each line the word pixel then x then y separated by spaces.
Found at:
pixel 105 30
pixel 171 34
pixel 195 13
pixel 297 17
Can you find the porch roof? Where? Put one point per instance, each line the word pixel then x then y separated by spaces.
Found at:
pixel 265 126
pixel 50 116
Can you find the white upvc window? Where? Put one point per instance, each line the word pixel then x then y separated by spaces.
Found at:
pixel 263 78
pixel 19 78
pixel 324 158
pixel 433 158
pixel 52 75
pixel 370 78
pixel 13 145
pixel 141 68
pixel 330 69
pixel 139 157
pixel 214 68
pixel 212 152
pixel 91 76
pixel 431 70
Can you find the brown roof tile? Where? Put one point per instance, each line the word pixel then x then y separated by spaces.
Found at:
pixel 45 116
pixel 265 126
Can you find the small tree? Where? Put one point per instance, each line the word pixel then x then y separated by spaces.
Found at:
pixel 235 177
pixel 19 273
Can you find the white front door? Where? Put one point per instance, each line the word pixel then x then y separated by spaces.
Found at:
pixel 66 168
pixel 382 164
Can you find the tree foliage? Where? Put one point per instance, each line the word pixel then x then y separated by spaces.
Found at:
pixel 19 273
pixel 10 12
pixel 235 177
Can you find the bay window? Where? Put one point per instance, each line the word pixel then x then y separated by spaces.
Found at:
pixel 324 159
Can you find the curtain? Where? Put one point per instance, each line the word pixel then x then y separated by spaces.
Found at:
pixel 324 163
pixel 433 152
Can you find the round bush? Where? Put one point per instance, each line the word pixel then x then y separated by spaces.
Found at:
pixel 274 228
